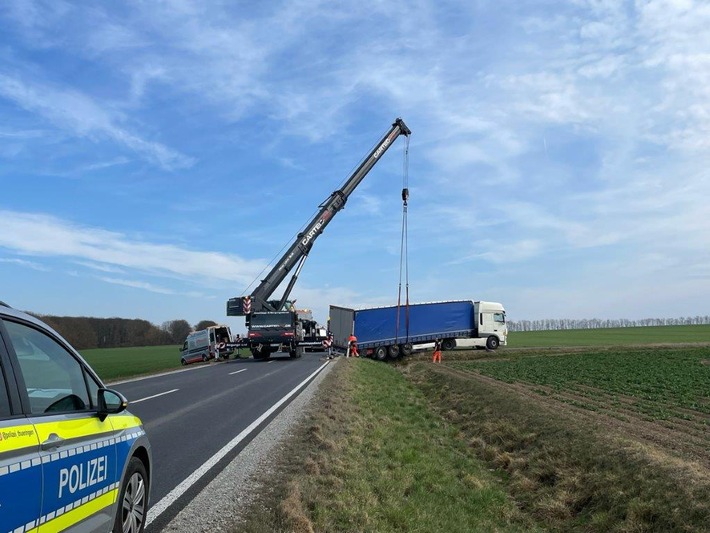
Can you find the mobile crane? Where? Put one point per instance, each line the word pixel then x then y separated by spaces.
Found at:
pixel 275 324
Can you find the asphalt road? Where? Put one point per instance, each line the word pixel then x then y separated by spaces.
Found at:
pixel 191 415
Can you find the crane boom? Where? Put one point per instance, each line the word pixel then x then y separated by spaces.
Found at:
pixel 296 254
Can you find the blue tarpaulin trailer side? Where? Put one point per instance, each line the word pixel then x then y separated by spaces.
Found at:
pixel 427 322
pixel 423 322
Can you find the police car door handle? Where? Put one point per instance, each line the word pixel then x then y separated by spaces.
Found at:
pixel 53 441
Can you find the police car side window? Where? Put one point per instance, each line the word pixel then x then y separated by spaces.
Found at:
pixel 53 377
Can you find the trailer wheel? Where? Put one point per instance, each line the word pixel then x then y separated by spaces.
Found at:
pixel 406 349
pixel 492 343
pixel 380 353
pixel 448 344
pixel 393 351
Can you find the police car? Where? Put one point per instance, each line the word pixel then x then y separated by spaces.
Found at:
pixel 71 457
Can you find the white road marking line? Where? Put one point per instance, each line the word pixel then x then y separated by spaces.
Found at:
pixel 160 507
pixel 154 396
pixel 237 372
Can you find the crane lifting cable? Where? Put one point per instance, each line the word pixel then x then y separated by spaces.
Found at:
pixel 403 251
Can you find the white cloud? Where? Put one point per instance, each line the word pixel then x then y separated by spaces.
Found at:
pixel 45 235
pixel 137 285
pixel 24 263
pixel 82 116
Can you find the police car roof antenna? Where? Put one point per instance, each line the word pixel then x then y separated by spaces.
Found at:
pixel 403 250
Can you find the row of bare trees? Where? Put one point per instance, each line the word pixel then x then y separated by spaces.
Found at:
pixel 594 323
pixel 87 332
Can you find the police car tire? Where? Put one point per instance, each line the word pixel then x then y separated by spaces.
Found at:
pixel 135 477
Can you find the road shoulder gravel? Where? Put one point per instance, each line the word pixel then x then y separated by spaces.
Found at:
pixel 220 505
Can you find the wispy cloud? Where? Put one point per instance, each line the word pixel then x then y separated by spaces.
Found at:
pixel 80 115
pixel 45 235
pixel 24 263
pixel 137 285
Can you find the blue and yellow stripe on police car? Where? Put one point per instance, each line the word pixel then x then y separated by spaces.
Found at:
pixel 81 477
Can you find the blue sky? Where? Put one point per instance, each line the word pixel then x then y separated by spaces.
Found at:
pixel 155 157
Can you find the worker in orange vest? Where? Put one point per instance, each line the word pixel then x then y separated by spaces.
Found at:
pixel 352 346
pixel 437 352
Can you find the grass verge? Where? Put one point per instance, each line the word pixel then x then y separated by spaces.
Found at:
pixel 373 457
pixel 423 447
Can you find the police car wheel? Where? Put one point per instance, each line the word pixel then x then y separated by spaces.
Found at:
pixel 132 501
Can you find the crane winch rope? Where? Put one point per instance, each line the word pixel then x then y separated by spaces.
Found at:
pixel 403 250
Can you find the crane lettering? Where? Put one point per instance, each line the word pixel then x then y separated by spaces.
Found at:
pixel 381 149
pixel 316 228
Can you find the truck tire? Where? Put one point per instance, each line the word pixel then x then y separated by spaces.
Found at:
pixel 393 351
pixel 448 344
pixel 492 343
pixel 406 349
pixel 262 354
pixel 380 353
pixel 296 353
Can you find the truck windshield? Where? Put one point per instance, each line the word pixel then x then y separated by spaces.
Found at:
pixel 271 320
pixel 499 317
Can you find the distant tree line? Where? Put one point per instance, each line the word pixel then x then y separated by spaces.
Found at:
pixel 595 323
pixel 87 332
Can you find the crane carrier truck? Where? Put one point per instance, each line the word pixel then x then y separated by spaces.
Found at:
pixel 274 325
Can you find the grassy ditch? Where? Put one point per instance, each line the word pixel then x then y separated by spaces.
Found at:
pixel 424 447
pixel 569 468
pixel 373 457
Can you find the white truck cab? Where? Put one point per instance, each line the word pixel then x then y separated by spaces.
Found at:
pixel 492 329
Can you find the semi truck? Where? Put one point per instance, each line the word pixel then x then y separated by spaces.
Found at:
pixel 274 325
pixel 394 331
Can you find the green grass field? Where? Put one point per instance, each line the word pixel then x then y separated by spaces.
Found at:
pixel 611 336
pixel 112 364
pixel 580 430
pixel 119 363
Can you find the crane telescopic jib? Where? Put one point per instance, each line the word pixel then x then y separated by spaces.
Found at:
pixel 273 323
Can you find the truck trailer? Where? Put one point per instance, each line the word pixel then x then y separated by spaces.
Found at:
pixel 390 332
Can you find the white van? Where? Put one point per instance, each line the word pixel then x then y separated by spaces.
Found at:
pixel 206 344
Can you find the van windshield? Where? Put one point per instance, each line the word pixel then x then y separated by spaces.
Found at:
pixel 266 320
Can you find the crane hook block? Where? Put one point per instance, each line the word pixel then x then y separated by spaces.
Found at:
pixel 405 195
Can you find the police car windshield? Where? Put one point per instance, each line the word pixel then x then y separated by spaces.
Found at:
pixel 265 320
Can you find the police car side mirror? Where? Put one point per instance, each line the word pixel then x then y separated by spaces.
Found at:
pixel 110 402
